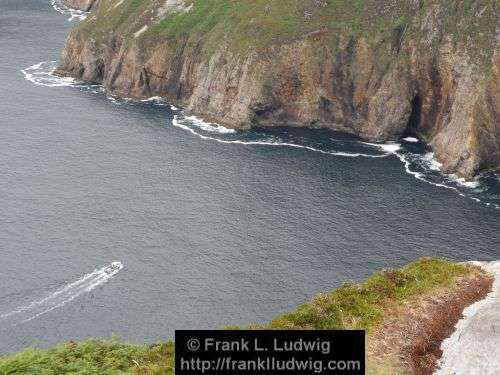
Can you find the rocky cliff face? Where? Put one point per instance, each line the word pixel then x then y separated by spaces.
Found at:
pixel 380 70
pixel 85 5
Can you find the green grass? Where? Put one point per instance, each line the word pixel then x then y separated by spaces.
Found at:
pixel 349 307
pixel 361 306
pixel 242 27
pixel 239 25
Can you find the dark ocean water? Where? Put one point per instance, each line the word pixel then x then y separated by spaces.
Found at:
pixel 210 228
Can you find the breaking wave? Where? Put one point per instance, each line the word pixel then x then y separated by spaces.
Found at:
pixel 63 295
pixel 475 343
pixel 421 164
pixel 41 74
pixel 74 14
pixel 416 159
pixel 189 123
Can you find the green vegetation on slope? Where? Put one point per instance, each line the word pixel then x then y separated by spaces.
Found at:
pixel 91 357
pixel 349 307
pixel 361 306
pixel 247 26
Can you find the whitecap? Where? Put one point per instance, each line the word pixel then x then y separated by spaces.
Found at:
pixel 41 74
pixel 424 167
pixel 74 14
pixel 209 127
pixel 266 142
pixel 153 99
pixel 467 183
pixel 114 100
pixel 430 171
pixel 391 147
pixel 406 159
pixel 432 162
pixel 411 139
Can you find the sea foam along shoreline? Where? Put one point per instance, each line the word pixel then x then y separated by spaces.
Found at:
pixel 41 74
pixel 74 14
pixel 474 346
pixel 188 122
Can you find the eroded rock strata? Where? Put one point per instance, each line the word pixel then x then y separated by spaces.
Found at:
pixel 84 5
pixel 381 70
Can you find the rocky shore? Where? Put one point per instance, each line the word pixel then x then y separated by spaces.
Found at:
pixel 380 70
pixel 83 5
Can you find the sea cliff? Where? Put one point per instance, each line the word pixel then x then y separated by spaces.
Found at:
pixel 380 70
pixel 83 5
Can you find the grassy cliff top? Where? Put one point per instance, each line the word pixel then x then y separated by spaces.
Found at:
pixel 361 306
pixel 246 26
pixel 351 306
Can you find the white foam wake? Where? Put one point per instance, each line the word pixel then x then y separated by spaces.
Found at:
pixel 74 14
pixel 63 295
pixel 474 347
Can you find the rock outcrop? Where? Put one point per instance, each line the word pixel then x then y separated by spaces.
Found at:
pixel 84 5
pixel 382 70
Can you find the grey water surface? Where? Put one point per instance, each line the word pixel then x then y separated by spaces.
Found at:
pixel 208 233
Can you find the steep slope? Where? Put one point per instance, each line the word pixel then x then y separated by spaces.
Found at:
pixel 380 70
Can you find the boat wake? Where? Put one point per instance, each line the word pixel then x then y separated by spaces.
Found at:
pixel 416 159
pixel 475 344
pixel 74 14
pixel 62 296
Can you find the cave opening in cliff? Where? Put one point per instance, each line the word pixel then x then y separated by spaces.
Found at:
pixel 99 70
pixel 412 129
